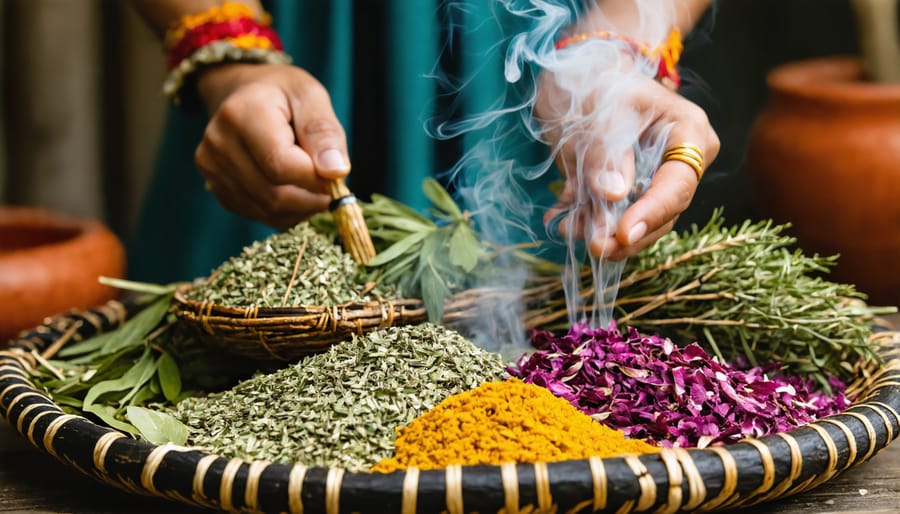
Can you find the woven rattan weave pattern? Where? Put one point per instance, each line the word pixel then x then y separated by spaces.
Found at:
pixel 288 333
pixel 675 480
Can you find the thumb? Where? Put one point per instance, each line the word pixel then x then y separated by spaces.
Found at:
pixel 321 135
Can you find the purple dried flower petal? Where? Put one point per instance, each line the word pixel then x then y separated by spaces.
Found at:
pixel 649 387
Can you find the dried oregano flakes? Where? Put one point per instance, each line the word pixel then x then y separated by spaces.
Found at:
pixel 340 408
pixel 297 267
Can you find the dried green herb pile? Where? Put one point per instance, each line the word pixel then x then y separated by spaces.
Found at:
pixel 340 408
pixel 299 266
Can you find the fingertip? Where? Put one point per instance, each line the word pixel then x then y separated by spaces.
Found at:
pixel 612 183
pixel 332 163
pixel 632 234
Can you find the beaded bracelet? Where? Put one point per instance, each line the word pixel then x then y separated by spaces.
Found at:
pixel 225 33
pixel 665 55
pixel 216 52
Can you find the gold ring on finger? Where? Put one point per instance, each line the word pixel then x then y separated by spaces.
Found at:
pixel 688 154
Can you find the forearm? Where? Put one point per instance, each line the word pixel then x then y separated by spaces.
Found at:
pixel 161 14
pixel 625 16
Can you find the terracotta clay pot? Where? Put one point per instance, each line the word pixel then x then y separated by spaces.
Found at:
pixel 825 156
pixel 50 263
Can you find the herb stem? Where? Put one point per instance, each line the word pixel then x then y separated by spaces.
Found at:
pixel 300 253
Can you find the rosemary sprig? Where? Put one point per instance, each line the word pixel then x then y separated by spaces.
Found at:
pixel 747 295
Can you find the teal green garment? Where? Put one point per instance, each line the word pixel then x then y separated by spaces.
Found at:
pixel 183 233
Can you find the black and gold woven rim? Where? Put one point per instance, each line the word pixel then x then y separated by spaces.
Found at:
pixel 673 480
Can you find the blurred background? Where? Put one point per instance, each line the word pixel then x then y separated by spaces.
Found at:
pixel 82 109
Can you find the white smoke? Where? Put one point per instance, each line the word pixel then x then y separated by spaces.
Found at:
pixel 580 102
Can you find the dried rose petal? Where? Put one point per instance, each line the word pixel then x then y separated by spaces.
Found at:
pixel 651 388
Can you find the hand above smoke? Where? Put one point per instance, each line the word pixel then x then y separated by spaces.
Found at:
pixel 583 160
pixel 272 144
pixel 604 115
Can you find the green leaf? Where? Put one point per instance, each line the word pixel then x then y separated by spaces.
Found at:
pixel 71 401
pixel 441 198
pixel 131 333
pixel 108 415
pixel 397 249
pixel 157 427
pixel 398 269
pixel 169 377
pixel 465 250
pixel 143 395
pixel 434 293
pixel 138 287
pixel 131 380
pixel 399 223
pixel 386 205
pixel 148 371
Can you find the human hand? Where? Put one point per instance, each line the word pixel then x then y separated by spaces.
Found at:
pixel 600 167
pixel 272 143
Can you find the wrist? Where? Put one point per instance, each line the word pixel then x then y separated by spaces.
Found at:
pixel 215 82
pixel 228 33
pixel 661 61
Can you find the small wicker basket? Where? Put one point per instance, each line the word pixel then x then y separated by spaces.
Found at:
pixel 674 480
pixel 288 333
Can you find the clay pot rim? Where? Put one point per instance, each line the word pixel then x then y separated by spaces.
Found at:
pixel 39 218
pixel 830 79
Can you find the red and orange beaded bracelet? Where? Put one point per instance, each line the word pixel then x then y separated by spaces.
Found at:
pixel 232 21
pixel 230 32
pixel 665 55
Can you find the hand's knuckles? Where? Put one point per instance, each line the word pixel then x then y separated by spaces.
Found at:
pixel 213 139
pixel 273 166
pixel 322 129
pixel 203 160
pixel 279 204
pixel 232 111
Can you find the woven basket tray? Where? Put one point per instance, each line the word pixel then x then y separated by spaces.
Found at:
pixel 736 475
pixel 288 333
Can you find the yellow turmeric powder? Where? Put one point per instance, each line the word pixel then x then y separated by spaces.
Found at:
pixel 501 422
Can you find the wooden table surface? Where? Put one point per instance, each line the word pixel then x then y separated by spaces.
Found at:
pixel 33 482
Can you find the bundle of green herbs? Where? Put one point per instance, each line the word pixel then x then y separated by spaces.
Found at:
pixel 428 257
pixel 297 267
pixel 746 294
pixel 342 407
pixel 121 377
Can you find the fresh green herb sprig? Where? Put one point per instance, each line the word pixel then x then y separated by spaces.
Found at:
pixel 423 257
pixel 747 295
pixel 148 360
